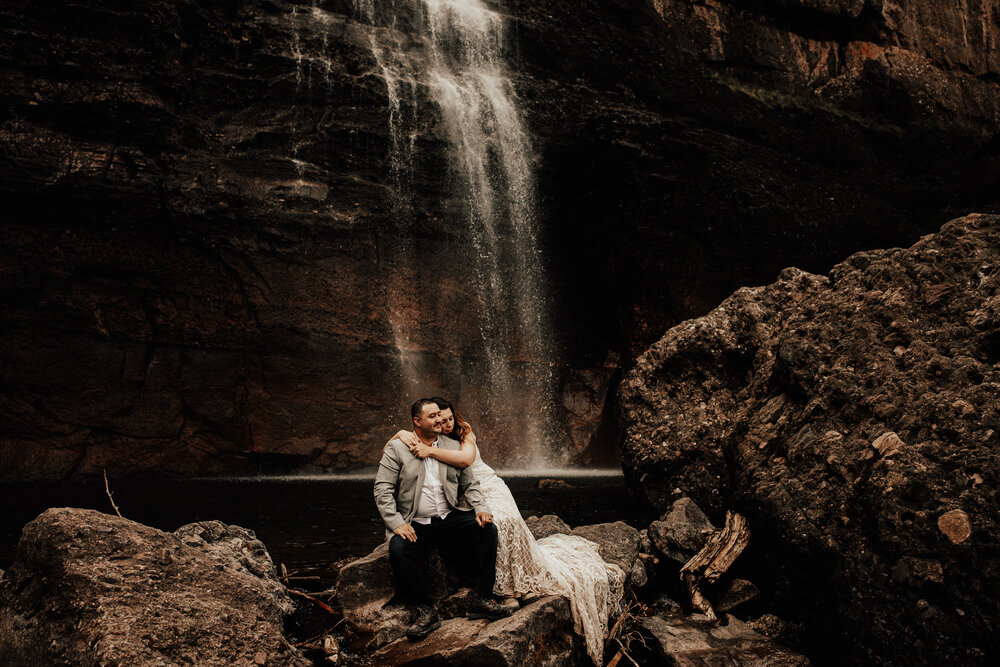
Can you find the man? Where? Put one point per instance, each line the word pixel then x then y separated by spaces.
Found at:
pixel 420 501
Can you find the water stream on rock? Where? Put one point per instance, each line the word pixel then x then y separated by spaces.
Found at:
pixel 459 67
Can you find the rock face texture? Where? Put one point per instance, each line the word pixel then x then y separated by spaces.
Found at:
pixel 853 418
pixel 92 589
pixel 923 59
pixel 200 234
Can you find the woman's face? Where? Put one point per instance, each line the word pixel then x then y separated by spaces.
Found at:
pixel 447 421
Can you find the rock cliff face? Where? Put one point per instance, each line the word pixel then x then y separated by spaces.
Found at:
pixel 200 227
pixel 853 418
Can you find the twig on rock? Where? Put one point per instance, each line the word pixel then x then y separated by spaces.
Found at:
pixel 311 640
pixel 108 491
pixel 622 653
pixel 328 593
pixel 294 574
pixel 626 627
pixel 718 554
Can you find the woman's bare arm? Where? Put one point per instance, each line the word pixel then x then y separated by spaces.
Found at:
pixel 409 439
pixel 461 458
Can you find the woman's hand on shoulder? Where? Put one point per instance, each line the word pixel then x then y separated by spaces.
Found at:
pixel 409 438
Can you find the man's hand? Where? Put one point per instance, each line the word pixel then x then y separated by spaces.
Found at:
pixel 407 533
pixel 483 518
pixel 421 451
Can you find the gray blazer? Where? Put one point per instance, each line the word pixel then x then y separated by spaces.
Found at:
pixel 400 478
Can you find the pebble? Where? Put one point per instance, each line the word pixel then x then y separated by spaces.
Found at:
pixel 955 525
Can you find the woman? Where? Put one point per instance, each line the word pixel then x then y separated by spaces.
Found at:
pixel 556 565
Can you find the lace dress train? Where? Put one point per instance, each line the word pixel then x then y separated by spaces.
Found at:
pixel 556 565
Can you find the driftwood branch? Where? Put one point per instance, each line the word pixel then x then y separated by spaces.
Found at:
pixel 294 575
pixel 718 554
pixel 322 605
pixel 108 491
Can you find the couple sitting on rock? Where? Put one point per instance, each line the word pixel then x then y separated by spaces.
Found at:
pixel 433 490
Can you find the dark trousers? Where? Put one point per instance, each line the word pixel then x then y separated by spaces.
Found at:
pixel 465 545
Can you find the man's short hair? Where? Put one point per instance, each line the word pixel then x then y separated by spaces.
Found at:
pixel 417 410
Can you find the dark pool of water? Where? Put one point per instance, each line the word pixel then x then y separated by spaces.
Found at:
pixel 306 523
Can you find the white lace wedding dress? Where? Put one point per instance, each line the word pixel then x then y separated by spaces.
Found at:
pixel 556 565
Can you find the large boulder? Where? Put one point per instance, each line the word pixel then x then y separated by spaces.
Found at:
pixel 681 532
pixel 696 641
pixel 88 588
pixel 540 634
pixel 617 542
pixel 854 419
pixel 366 594
pixel 375 621
pixel 548 524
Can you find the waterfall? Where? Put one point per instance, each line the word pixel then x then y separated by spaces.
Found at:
pixel 464 85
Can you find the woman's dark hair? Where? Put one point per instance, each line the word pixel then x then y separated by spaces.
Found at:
pixel 462 428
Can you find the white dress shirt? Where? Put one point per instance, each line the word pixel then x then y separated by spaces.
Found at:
pixel 432 502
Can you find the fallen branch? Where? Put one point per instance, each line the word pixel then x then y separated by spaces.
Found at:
pixel 714 559
pixel 328 593
pixel 622 652
pixel 108 491
pixel 322 604
pixel 626 627
pixel 294 574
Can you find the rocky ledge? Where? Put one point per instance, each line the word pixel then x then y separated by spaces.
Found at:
pixel 647 627
pixel 92 589
pixel 854 420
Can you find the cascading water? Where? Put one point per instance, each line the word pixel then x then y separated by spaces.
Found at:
pixel 460 69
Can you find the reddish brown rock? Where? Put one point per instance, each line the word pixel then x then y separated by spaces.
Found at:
pixel 539 634
pixel 695 641
pixel 88 588
pixel 822 407
pixel 930 58
pixel 955 525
